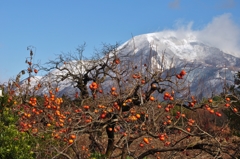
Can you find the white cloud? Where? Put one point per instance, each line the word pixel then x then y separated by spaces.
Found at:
pixel 221 32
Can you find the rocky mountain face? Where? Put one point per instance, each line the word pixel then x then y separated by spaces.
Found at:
pixel 209 68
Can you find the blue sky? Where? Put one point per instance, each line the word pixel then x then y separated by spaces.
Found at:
pixel 57 26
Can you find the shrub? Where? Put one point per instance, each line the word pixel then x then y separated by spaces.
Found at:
pixel 13 144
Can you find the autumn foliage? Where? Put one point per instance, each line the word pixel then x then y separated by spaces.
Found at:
pixel 120 110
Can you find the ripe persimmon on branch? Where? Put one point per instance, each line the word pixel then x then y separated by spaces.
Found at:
pixel 81 70
pixel 125 109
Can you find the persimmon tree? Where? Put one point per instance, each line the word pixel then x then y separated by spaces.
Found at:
pixel 122 109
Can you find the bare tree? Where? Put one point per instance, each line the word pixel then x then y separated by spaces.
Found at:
pixel 132 109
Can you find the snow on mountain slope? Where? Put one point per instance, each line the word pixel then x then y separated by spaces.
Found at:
pixel 189 49
pixel 211 65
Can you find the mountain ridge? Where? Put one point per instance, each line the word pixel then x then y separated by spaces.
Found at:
pixel 212 65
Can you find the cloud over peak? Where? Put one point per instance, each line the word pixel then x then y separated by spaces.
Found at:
pixel 221 32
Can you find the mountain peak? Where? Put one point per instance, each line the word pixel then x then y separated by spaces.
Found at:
pixel 182 45
pixel 207 65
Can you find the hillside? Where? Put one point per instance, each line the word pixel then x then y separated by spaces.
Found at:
pixel 206 65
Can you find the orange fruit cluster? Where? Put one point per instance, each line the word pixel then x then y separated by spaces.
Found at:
pixel 93 86
pixel 181 74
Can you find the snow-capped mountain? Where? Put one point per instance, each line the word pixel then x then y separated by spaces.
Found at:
pixel 209 67
pixel 189 50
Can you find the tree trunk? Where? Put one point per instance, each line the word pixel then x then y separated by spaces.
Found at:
pixel 124 152
pixel 110 134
